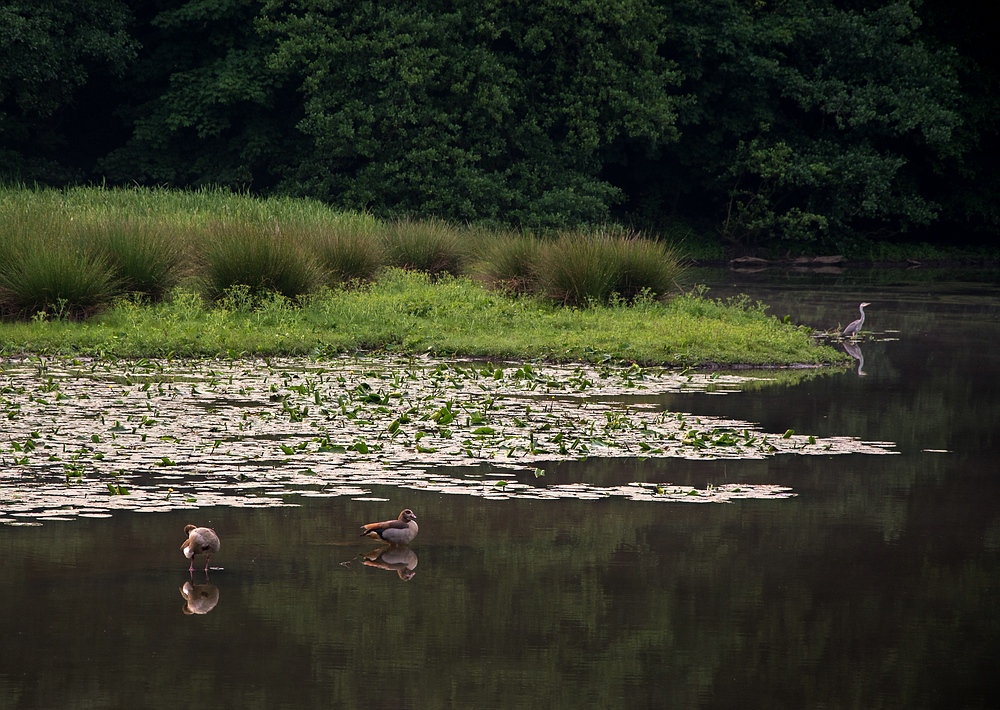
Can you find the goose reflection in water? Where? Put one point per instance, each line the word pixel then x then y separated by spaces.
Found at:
pixel 199 598
pixel 396 558
pixel 854 351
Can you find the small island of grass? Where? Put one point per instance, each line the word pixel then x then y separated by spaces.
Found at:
pixel 150 273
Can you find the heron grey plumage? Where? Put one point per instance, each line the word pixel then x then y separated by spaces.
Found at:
pixel 854 327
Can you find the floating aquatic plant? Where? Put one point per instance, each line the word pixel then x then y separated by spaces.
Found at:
pixel 245 432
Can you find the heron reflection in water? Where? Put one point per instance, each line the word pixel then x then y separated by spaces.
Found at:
pixel 395 558
pixel 854 351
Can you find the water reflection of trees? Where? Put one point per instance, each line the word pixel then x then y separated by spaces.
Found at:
pixel 645 605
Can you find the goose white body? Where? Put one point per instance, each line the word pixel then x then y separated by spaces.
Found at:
pixel 400 531
pixel 200 541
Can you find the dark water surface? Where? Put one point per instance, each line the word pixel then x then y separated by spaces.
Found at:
pixel 877 586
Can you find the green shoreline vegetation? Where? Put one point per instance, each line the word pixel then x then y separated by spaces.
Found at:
pixel 155 273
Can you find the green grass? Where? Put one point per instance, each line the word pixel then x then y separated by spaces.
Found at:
pixel 150 240
pixel 432 246
pixel 579 268
pixel 144 257
pixel 261 257
pixel 47 269
pixel 508 261
pixel 158 272
pixel 409 312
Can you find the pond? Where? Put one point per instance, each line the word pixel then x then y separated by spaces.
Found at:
pixel 846 551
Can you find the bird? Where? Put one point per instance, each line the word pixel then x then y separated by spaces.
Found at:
pixel 854 327
pixel 200 541
pixel 396 532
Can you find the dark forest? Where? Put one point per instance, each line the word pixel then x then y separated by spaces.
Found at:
pixel 788 124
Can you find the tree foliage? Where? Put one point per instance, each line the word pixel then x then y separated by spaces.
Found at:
pixel 48 50
pixel 810 120
pixel 473 110
pixel 785 123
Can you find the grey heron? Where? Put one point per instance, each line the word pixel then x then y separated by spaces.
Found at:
pixel 854 327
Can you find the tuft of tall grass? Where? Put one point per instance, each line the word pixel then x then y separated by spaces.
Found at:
pixel 432 246
pixel 56 276
pixel 260 257
pixel 347 250
pixel 582 267
pixel 509 261
pixel 144 256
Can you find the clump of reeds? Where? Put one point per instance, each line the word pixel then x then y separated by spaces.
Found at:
pixel 46 270
pixel 580 267
pixel 509 261
pixel 429 245
pixel 145 256
pixel 257 256
pixel 348 250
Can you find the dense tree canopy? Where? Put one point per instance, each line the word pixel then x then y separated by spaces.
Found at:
pixel 798 122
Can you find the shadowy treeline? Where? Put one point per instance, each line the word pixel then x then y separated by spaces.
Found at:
pixel 799 124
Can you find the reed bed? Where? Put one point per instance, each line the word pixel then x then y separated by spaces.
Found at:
pixel 71 252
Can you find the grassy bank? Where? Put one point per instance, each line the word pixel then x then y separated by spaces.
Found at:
pixel 141 273
pixel 407 312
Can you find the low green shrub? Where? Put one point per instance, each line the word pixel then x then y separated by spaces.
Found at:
pixel 346 250
pixel 509 261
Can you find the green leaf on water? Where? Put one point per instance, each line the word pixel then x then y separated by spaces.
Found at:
pixel 483 430
pixel 788 434
pixel 539 472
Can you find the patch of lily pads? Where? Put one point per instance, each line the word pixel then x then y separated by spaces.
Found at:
pixel 85 438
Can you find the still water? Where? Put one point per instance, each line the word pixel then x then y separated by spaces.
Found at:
pixel 876 585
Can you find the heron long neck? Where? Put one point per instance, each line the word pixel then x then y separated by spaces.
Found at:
pixel 862 309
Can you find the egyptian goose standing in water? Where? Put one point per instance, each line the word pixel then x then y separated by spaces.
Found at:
pixel 396 532
pixel 201 541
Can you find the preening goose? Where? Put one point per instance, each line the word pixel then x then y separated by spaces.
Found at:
pixel 200 541
pixel 396 532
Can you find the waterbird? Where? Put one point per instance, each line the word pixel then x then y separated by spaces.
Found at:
pixel 200 541
pixel 396 532
pixel 854 327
